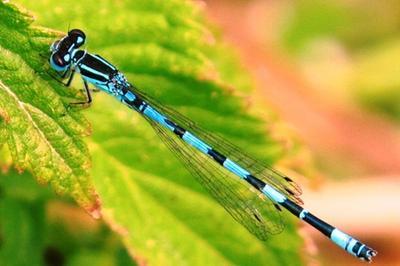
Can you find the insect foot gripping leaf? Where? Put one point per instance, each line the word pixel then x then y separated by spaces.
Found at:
pixel 40 136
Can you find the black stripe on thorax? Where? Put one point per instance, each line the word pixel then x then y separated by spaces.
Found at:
pixel 92 75
pixel 99 64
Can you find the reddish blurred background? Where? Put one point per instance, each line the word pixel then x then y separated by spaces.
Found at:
pixel 325 66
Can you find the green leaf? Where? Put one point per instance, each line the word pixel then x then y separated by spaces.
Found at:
pixel 163 216
pixel 40 135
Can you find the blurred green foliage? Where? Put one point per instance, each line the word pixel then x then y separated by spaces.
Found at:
pixel 368 31
pixel 357 24
pixel 376 79
pixel 38 228
pixel 160 213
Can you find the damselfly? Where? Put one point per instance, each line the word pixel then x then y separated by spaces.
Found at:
pixel 224 170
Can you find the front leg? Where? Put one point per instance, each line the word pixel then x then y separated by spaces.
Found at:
pixel 60 77
pixel 82 104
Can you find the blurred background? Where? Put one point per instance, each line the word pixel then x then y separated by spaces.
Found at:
pixel 331 69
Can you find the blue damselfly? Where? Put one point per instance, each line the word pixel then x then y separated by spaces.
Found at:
pixel 223 169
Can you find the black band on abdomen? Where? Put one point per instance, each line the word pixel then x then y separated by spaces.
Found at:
pixel 292 207
pixel 322 226
pixel 255 182
pixel 314 221
pixel 218 157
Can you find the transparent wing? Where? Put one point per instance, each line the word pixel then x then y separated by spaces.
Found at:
pixel 280 182
pixel 249 207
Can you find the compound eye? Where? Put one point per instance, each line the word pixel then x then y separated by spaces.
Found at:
pixel 58 62
pixel 77 36
pixel 54 46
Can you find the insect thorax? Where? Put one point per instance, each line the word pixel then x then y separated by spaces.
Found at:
pixel 117 83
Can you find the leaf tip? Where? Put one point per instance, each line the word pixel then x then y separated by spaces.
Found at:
pixel 95 213
pixel 95 209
